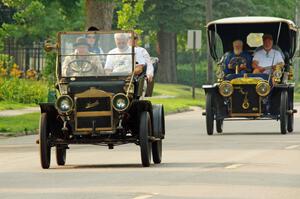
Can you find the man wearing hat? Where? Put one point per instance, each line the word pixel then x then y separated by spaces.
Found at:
pixel 81 63
pixel 267 58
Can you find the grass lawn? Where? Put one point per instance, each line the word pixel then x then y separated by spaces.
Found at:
pixel 5 105
pixel 178 97
pixel 19 124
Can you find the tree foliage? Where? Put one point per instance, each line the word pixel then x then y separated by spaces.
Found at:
pixel 37 20
pixel 128 16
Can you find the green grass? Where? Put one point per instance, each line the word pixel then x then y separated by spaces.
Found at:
pixel 26 123
pixel 5 105
pixel 180 97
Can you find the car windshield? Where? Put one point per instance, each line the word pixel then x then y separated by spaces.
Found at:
pixel 95 54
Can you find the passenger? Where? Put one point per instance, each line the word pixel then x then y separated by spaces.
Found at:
pixel 120 59
pixel 139 51
pixel 238 60
pixel 80 63
pixel 266 59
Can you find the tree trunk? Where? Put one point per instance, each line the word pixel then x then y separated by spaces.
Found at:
pixel 210 76
pixel 99 14
pixel 297 59
pixel 167 47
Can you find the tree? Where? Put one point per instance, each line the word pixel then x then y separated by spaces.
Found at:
pixel 128 16
pixel 38 20
pixel 167 19
pixel 99 13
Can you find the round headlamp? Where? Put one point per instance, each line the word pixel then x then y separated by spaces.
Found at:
pixel 64 104
pixel 120 102
pixel 225 89
pixel 263 88
pixel 277 74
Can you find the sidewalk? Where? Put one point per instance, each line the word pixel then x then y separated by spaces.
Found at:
pixel 7 113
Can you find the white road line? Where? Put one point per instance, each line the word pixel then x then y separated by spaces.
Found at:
pixel 292 147
pixel 233 166
pixel 143 197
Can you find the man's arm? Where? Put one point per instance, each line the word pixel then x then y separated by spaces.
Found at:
pixel 141 62
pixel 108 68
pixel 150 68
pixel 65 65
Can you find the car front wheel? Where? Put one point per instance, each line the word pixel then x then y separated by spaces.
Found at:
pixel 209 114
pixel 283 112
pixel 145 131
pixel 45 148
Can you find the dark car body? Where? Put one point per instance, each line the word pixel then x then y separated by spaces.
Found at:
pixel 101 108
pixel 250 96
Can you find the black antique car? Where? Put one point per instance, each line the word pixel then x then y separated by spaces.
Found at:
pixel 99 99
pixel 251 96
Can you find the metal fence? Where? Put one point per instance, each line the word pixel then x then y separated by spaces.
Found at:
pixel 25 56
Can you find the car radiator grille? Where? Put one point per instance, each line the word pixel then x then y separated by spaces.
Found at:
pixel 245 101
pixel 93 113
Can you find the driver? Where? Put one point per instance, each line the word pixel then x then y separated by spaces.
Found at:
pixel 120 58
pixel 238 60
pixel 81 63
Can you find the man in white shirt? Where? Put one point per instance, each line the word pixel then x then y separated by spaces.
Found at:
pixel 142 52
pixel 120 59
pixel 266 59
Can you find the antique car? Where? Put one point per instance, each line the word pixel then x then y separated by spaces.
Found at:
pixel 250 96
pixel 99 99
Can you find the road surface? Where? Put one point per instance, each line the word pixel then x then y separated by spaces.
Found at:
pixel 250 159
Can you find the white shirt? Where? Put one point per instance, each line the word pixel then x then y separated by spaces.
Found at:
pixel 142 52
pixel 268 59
pixel 122 63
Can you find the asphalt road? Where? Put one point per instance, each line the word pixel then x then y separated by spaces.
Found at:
pixel 250 159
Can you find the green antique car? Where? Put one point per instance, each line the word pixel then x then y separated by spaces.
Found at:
pixel 251 96
pixel 99 100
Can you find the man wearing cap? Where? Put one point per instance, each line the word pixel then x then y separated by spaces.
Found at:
pixel 120 59
pixel 238 60
pixel 267 58
pixel 81 62
pixel 143 53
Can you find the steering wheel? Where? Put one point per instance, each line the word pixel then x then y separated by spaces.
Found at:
pixel 80 66
pixel 235 62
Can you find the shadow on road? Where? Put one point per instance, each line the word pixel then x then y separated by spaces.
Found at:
pixel 99 166
pixel 250 133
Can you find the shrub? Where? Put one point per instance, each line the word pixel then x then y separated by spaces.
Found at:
pixel 185 74
pixel 23 90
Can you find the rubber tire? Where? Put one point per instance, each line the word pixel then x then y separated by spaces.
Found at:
pixel 45 149
pixel 290 122
pixel 219 125
pixel 209 114
pixel 283 112
pixel 158 132
pixel 61 154
pixel 145 144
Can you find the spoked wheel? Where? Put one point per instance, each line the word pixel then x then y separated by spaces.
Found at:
pixel 45 148
pixel 158 132
pixel 145 143
pixel 209 114
pixel 290 123
pixel 283 112
pixel 219 125
pixel 61 153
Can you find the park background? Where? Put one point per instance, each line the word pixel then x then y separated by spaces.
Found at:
pixel 27 72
